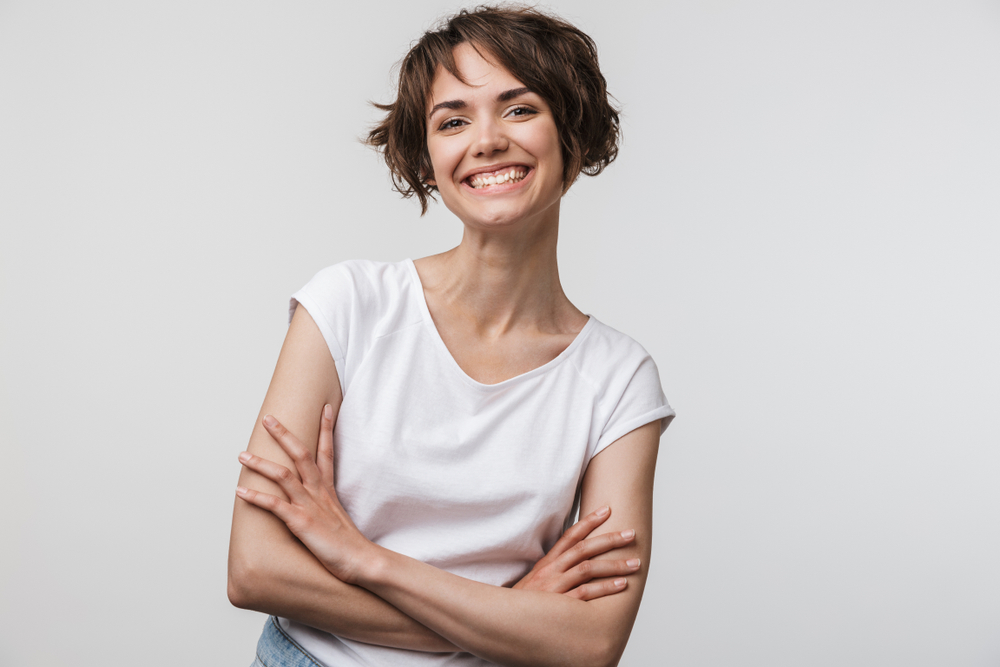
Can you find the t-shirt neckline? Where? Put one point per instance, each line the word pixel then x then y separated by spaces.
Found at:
pixel 438 341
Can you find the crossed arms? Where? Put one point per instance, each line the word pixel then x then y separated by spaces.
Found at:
pixel 397 601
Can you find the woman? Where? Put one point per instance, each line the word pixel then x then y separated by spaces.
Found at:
pixel 476 409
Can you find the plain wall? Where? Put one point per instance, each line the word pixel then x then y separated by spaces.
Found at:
pixel 802 228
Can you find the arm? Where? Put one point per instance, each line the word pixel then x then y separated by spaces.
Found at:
pixel 508 626
pixel 269 569
pixel 272 572
pixel 532 628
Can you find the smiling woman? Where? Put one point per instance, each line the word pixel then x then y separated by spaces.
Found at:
pixel 440 423
pixel 493 146
pixel 545 55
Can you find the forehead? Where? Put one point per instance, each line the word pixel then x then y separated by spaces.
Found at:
pixel 482 77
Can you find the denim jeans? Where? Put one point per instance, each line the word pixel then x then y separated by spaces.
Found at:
pixel 276 649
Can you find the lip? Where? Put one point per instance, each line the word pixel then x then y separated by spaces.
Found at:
pixel 493 167
pixel 496 189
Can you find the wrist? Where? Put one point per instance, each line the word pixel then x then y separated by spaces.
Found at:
pixel 372 566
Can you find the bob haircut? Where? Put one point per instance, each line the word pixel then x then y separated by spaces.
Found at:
pixel 554 59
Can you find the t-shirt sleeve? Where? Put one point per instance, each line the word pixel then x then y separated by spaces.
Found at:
pixel 642 401
pixel 330 299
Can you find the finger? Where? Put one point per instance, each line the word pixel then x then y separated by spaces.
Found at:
pixel 278 474
pixel 579 531
pixel 324 452
pixel 305 465
pixel 594 546
pixel 598 569
pixel 266 501
pixel 599 589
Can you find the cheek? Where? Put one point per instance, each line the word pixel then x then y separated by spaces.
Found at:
pixel 441 161
pixel 547 142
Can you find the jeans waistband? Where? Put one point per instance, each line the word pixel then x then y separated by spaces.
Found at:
pixel 277 649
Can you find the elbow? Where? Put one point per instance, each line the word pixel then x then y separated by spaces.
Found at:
pixel 605 649
pixel 590 639
pixel 240 584
pixel 595 649
pixel 237 593
pixel 236 588
pixel 607 654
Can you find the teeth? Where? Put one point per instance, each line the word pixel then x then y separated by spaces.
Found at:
pixel 513 175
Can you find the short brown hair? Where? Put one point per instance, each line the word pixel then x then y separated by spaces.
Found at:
pixel 554 59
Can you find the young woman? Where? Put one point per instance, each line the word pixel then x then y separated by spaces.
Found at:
pixel 442 421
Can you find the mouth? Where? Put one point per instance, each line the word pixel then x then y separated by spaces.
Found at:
pixel 487 180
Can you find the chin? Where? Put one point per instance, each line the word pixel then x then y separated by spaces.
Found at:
pixel 508 220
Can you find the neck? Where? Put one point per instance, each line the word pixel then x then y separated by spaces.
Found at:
pixel 503 280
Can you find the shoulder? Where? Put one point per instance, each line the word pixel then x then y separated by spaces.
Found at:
pixel 358 285
pixel 626 382
pixel 361 299
pixel 609 353
pixel 361 278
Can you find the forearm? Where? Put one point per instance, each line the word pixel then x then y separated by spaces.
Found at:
pixel 271 572
pixel 269 569
pixel 506 626
pixel 516 627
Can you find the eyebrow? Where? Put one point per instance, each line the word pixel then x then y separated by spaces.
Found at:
pixel 505 96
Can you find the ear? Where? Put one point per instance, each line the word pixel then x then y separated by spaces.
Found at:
pixel 429 181
pixel 427 170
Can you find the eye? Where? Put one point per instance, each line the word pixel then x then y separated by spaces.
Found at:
pixel 451 124
pixel 521 112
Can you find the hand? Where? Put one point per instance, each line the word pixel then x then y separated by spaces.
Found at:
pixel 313 513
pixel 567 567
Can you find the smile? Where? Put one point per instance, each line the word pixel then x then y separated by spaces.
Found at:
pixel 494 178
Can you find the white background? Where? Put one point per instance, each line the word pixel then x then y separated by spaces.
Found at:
pixel 802 229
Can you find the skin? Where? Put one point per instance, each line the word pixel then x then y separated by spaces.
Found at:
pixel 498 304
pixel 496 298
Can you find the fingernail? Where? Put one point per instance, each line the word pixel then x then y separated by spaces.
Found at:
pixel 328 411
pixel 619 583
pixel 628 534
pixel 633 563
pixel 603 511
pixel 269 420
pixel 244 456
pixel 241 491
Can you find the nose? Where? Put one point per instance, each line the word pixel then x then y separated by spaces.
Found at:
pixel 490 139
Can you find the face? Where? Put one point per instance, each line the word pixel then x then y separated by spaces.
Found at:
pixel 494 146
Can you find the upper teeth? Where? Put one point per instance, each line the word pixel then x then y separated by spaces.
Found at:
pixel 511 175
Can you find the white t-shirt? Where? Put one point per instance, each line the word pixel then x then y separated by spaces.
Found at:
pixel 479 480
